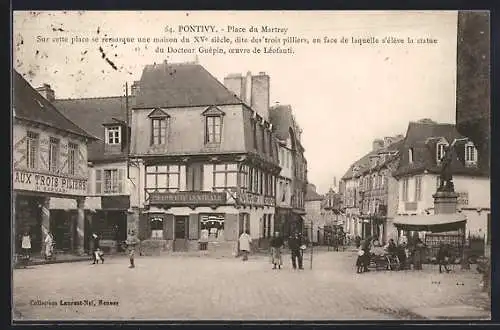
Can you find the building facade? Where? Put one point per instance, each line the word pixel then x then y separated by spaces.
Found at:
pixel 315 219
pixel 112 204
pixel 204 161
pixel 369 192
pixel 293 178
pixel 419 169
pixel 49 157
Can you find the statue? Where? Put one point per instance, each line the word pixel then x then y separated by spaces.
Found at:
pixel 446 177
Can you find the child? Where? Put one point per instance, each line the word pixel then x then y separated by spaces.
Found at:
pixel 99 255
pixel 360 262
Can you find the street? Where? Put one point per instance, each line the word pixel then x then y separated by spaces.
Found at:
pixel 197 288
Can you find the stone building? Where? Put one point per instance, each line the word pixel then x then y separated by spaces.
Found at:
pixel 49 163
pixel 112 205
pixel 473 85
pixel 314 218
pixel 204 160
pixel 292 181
pixel 368 189
pixel 419 170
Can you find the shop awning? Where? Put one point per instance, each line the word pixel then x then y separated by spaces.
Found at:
pixel 434 223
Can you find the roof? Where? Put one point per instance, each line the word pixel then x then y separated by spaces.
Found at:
pixel 30 105
pixel 423 138
pixel 282 119
pixel 91 114
pixel 311 194
pixel 434 223
pixel 181 85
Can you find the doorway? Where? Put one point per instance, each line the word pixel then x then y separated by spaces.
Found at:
pixel 180 233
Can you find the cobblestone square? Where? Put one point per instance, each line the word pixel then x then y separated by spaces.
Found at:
pixel 198 288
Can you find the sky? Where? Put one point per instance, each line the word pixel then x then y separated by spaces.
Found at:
pixel 343 95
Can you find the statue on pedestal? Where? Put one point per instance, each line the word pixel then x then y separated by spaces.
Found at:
pixel 446 177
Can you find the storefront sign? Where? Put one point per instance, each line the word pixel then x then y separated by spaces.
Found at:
pixel 24 180
pixel 115 202
pixel 187 198
pixel 253 199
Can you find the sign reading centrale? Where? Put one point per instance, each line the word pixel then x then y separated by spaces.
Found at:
pixel 24 180
pixel 188 197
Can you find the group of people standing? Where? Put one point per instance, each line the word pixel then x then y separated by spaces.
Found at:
pixel 296 244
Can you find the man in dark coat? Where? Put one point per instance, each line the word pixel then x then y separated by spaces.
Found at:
pixel 366 247
pixel 294 243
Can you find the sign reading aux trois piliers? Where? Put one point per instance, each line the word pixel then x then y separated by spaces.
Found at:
pixel 24 180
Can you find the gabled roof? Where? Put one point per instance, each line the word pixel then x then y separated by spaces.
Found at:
pixel 181 85
pixel 30 105
pixel 423 137
pixel 158 113
pixel 91 114
pixel 213 111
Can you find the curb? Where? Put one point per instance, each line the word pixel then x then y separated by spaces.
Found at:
pixel 48 262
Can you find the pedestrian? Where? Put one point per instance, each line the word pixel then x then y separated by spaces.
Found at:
pixel 418 251
pixel 132 242
pixel 245 240
pixel 276 244
pixel 295 243
pixel 366 247
pixel 96 248
pixel 443 257
pixel 357 241
pixel 49 246
pixel 26 246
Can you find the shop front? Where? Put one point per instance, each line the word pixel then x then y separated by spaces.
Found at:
pixel 32 194
pixel 191 221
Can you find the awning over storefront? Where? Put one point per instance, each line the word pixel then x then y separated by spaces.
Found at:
pixel 434 223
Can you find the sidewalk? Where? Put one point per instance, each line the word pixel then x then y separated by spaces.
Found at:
pixel 60 258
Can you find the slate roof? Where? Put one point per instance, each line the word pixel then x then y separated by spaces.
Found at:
pixel 424 150
pixel 311 194
pixel 281 118
pixel 179 85
pixel 91 114
pixel 30 105
pixel 364 164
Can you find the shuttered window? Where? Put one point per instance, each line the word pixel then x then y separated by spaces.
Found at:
pixel 109 181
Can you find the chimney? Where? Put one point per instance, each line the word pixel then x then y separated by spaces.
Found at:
pixel 47 92
pixel 236 84
pixel 377 144
pixel 134 89
pixel 260 86
pixel 388 141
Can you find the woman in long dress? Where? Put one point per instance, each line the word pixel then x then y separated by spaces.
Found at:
pixel 276 244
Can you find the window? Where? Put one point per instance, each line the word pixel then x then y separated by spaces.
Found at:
pixel 405 189
pixel 213 129
pixel 255 180
pixel 159 131
pixel 410 155
pixel 111 181
pixel 470 154
pixel 254 132
pixel 250 179
pixel 263 137
pixel 224 176
pixel 32 149
pixel 53 155
pixel 156 228
pixel 418 188
pixel 164 178
pixel 72 151
pixel 438 181
pixel 213 225
pixel 113 135
pixel 440 150
pixel 271 151
pixel 244 176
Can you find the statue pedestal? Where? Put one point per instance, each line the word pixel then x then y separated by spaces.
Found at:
pixel 445 202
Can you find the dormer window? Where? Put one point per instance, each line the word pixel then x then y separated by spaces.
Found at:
pixel 470 154
pixel 213 125
pixel 410 155
pixel 440 150
pixel 159 125
pixel 113 134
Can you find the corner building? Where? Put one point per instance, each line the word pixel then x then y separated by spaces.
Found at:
pixel 205 161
